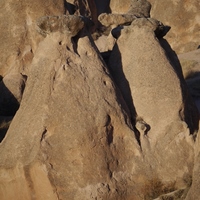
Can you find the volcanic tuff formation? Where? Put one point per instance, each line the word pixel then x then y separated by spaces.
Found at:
pixel 93 104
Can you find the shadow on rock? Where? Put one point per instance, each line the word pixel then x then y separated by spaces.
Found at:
pixel 116 70
pixel 11 91
pixel 189 112
pixel 8 103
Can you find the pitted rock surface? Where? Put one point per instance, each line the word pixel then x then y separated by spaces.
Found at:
pixel 93 124
pixel 116 19
pixel 140 8
pixel 68 24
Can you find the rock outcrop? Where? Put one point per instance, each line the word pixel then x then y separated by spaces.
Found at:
pixel 194 191
pixel 67 85
pixel 152 80
pixel 19 28
pixel 118 128
pixel 184 19
pixel 120 7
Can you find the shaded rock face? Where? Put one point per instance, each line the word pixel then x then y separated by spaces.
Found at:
pixel 140 8
pixel 191 67
pixel 190 63
pixel 90 130
pixel 141 83
pixel 11 89
pixel 137 70
pixel 194 192
pixel 184 19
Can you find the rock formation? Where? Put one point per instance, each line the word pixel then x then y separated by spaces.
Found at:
pixel 18 27
pixel 92 124
pixel 184 19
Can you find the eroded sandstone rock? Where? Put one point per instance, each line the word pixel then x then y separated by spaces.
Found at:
pixel 184 19
pixel 66 24
pixel 85 130
pixel 154 91
pixel 76 158
pixel 115 19
pixel 19 28
pixel 140 8
pixel 118 6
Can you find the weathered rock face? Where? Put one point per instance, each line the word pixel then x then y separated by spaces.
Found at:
pixel 194 191
pixel 67 85
pixel 89 8
pixel 118 6
pixel 152 81
pixel 19 28
pixel 184 19
pixel 140 8
pixel 190 63
pixel 87 130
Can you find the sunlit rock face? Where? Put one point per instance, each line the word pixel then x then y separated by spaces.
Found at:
pixel 94 123
pixel 184 19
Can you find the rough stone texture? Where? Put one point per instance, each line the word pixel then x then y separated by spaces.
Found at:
pixel 184 19
pixel 87 130
pixel 194 190
pixel 66 24
pixel 140 8
pixel 190 63
pixel 118 17
pixel 119 6
pixel 65 87
pixel 89 8
pixel 115 19
pixel 151 87
pixel 18 27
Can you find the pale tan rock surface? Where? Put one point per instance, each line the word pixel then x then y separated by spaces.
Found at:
pixel 184 19
pixel 140 8
pixel 152 90
pixel 85 130
pixel 18 27
pixel 118 6
pixel 73 129
pixel 95 154
pixel 194 190
pixel 190 63
pixel 89 8
pixel 115 19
